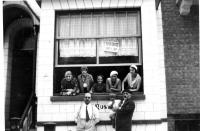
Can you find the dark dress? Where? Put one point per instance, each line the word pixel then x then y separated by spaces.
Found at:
pixel 124 116
pixel 73 84
pixel 99 88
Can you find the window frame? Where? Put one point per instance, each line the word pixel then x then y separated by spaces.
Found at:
pixel 138 37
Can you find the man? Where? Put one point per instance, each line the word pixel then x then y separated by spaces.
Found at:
pixel 85 80
pixel 87 116
pixel 125 112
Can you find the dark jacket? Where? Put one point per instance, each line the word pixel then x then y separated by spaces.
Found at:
pixel 124 116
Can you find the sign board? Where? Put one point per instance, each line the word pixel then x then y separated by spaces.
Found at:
pixel 111 46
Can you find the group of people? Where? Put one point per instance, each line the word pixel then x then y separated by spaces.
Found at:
pixel 70 85
pixel 88 115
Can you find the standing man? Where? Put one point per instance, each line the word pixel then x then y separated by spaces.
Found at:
pixel 87 116
pixel 125 112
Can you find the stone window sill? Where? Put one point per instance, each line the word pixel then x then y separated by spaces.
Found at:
pixel 95 96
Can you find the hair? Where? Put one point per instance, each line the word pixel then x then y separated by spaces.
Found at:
pixel 67 72
pixel 100 76
pixel 84 67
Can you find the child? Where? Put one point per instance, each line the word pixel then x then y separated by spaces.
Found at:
pixel 99 87
pixel 114 105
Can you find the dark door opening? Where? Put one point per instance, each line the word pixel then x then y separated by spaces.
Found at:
pixel 21 81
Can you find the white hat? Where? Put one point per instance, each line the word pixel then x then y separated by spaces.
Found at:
pixel 113 73
pixel 133 66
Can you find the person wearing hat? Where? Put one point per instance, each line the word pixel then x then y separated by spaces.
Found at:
pixel 113 83
pixel 85 80
pixel 133 79
pixel 125 112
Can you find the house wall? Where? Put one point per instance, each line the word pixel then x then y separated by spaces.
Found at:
pixel 181 49
pixel 181 46
pixel 151 109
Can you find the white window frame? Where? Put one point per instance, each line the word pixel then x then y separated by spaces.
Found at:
pixel 138 36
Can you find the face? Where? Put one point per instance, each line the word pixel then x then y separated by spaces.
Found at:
pixel 132 70
pixel 84 71
pixel 68 76
pixel 126 95
pixel 99 79
pixel 87 98
pixel 114 77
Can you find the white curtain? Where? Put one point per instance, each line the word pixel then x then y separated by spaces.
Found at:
pixel 78 48
pixel 95 25
pixel 72 27
pixel 118 47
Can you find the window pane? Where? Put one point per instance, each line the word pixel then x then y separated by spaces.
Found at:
pixel 75 26
pixel 63 26
pixel 86 20
pixel 109 24
pixel 121 24
pixel 77 51
pixel 118 50
pixel 132 24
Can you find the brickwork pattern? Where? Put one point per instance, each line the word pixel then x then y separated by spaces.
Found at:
pixel 181 46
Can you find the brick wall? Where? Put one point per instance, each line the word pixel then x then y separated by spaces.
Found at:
pixel 181 46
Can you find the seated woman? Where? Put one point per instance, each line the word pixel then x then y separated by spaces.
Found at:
pixel 133 79
pixel 85 80
pixel 99 87
pixel 113 84
pixel 69 84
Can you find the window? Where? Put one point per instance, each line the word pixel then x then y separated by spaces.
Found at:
pixel 103 40
pixel 98 38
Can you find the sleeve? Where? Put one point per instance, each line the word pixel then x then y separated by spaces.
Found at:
pixel 107 85
pixel 75 81
pixel 124 80
pixel 119 86
pixel 62 85
pixel 138 82
pixel 77 115
pixel 129 107
pixel 96 113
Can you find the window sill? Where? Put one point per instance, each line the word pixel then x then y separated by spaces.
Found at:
pixel 95 96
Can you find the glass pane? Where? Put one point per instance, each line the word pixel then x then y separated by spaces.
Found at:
pixel 132 23
pixel 98 24
pixel 118 50
pixel 63 26
pixel 109 24
pixel 77 51
pixel 87 30
pixel 75 26
pixel 121 24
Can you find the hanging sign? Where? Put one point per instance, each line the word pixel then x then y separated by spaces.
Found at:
pixel 111 46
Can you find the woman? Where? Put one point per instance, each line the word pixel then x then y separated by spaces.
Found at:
pixel 113 84
pixel 69 84
pixel 99 87
pixel 133 79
